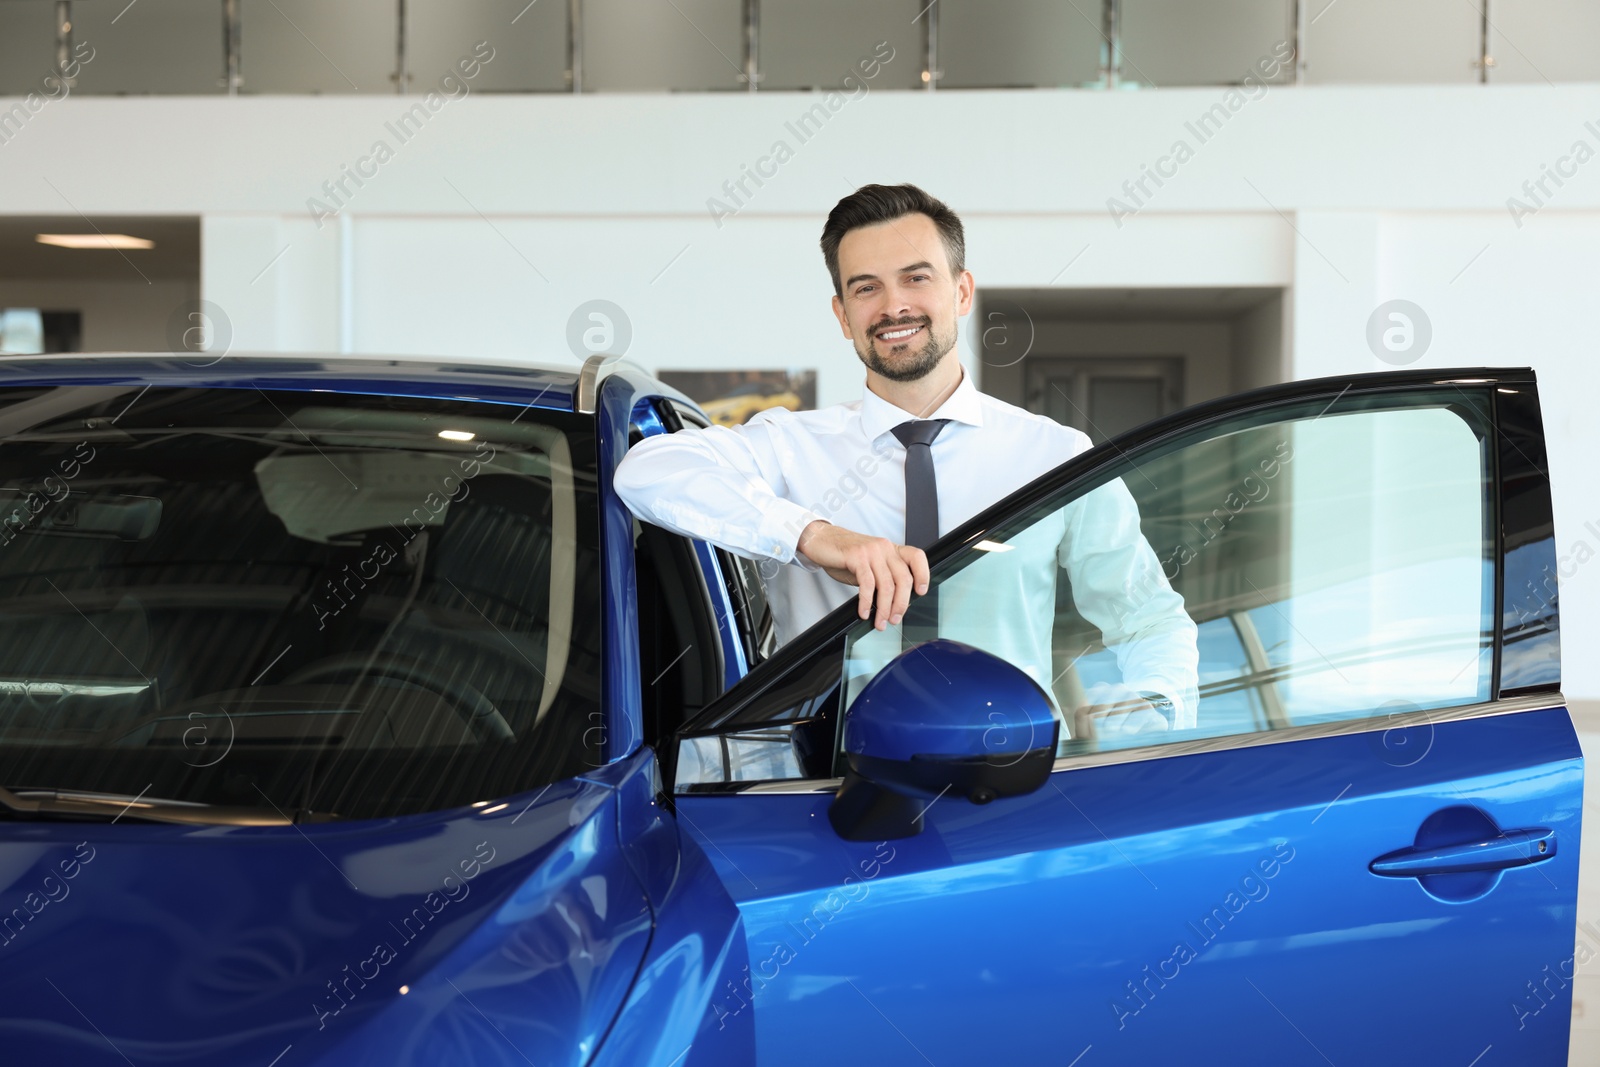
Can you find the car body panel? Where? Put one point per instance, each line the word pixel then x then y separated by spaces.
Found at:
pixel 620 608
pixel 697 949
pixel 229 944
pixel 1029 929
pixel 532 385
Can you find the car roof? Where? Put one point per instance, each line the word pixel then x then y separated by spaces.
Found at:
pixel 568 386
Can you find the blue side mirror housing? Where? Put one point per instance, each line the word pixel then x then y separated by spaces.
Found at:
pixel 942 717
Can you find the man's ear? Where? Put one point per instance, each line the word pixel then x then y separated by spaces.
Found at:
pixel 966 287
pixel 844 323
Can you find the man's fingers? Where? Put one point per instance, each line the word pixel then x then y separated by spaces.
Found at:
pixel 886 591
pixel 864 579
pixel 917 560
pixel 882 571
pixel 902 588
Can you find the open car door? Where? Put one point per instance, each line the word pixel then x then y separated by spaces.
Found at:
pixel 1354 840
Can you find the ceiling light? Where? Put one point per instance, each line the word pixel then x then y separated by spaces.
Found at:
pixel 93 240
pixel 456 435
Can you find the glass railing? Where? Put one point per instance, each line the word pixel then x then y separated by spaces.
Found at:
pixel 309 47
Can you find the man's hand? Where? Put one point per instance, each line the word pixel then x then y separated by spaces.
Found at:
pixel 1115 711
pixel 874 564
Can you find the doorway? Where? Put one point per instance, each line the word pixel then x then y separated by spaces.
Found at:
pixel 1104 396
pixel 1106 360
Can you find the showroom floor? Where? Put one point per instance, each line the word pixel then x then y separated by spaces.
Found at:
pixel 1585 1048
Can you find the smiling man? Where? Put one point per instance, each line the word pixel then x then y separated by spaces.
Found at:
pixel 847 497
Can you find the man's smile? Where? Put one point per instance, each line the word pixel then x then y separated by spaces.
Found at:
pixel 897 334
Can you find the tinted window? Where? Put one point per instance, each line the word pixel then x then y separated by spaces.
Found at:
pixel 356 605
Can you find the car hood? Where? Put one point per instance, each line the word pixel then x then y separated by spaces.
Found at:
pixel 506 933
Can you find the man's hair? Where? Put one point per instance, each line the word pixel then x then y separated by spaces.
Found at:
pixel 872 204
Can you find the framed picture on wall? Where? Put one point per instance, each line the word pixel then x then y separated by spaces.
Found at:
pixel 731 397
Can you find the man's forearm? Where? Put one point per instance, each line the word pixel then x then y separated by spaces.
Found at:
pixel 814 527
pixel 682 484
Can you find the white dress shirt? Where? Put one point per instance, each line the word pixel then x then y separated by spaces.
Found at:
pixel 752 489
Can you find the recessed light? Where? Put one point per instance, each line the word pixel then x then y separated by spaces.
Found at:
pixel 93 240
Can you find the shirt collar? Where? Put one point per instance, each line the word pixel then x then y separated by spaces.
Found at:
pixel 878 416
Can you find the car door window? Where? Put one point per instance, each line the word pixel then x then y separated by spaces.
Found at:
pixel 1328 562
pixel 1320 565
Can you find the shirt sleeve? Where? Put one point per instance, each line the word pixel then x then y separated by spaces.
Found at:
pixel 1118 585
pixel 719 484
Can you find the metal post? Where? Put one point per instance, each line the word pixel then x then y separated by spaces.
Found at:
pixel 1299 30
pixel 1485 60
pixel 1111 43
pixel 930 46
pixel 64 40
pixel 752 44
pixel 575 45
pixel 231 77
pixel 401 76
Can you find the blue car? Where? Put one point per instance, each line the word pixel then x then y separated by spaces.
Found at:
pixel 349 717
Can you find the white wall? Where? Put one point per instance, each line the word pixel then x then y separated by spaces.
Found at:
pixel 1260 341
pixel 502 214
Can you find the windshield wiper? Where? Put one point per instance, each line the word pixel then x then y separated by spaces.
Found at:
pixel 110 807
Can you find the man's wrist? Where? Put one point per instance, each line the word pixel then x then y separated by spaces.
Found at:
pixel 809 534
pixel 1163 704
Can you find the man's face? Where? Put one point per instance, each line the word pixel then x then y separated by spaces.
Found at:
pixel 901 301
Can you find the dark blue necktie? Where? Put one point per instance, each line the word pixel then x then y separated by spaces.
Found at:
pixel 922 491
pixel 922 520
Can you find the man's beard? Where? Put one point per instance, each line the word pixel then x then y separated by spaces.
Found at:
pixel 913 365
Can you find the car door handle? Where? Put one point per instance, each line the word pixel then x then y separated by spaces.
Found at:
pixel 1513 848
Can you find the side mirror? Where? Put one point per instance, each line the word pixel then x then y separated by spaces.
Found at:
pixel 942 717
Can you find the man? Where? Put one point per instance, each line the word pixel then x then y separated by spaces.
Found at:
pixel 847 497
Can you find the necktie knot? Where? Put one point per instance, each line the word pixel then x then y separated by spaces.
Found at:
pixel 918 431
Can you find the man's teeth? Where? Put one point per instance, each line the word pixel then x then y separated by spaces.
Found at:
pixel 893 335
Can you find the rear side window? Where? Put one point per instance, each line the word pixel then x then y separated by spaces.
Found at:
pixel 328 604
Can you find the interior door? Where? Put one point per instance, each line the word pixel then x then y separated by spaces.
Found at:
pixel 1354 841
pixel 1104 396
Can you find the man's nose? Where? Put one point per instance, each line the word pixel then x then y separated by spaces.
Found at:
pixel 897 301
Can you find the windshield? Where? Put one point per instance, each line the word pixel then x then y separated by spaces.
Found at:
pixel 327 604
